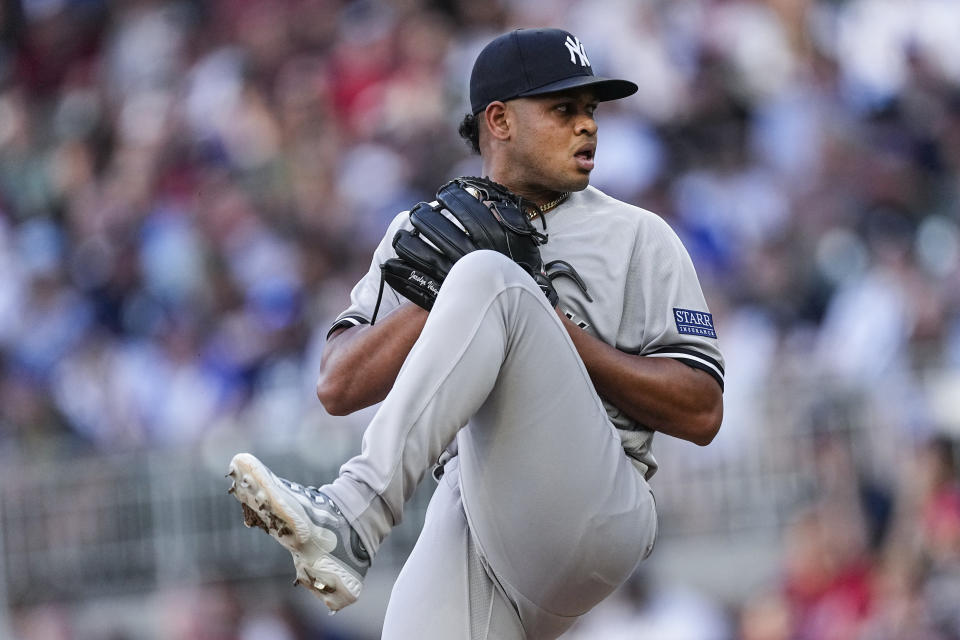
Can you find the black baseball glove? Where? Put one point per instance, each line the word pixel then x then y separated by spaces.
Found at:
pixel 469 214
pixel 482 215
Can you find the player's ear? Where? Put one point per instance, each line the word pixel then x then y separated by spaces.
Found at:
pixel 497 120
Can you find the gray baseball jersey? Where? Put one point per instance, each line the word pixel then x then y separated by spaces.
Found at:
pixel 646 297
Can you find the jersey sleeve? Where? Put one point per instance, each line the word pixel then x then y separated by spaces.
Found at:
pixel 666 314
pixel 363 297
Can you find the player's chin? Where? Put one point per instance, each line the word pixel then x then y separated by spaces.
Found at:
pixel 567 178
pixel 578 181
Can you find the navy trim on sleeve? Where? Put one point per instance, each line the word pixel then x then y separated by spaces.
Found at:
pixel 347 321
pixel 691 352
pixel 692 358
pixel 699 365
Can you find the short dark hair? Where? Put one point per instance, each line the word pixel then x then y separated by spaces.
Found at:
pixel 469 130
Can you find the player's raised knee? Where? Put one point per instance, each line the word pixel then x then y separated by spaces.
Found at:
pixel 479 270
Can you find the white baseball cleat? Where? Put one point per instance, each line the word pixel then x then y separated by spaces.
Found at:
pixel 328 555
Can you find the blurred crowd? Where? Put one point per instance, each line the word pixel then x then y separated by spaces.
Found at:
pixel 189 189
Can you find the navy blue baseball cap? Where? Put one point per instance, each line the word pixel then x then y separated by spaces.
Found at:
pixel 532 62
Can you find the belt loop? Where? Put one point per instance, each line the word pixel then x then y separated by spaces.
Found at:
pixel 437 471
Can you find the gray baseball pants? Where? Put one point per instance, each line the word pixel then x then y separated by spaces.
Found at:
pixel 541 515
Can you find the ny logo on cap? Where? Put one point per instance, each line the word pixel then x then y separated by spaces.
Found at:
pixel 575 47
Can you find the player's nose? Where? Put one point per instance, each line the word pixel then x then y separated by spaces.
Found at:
pixel 586 125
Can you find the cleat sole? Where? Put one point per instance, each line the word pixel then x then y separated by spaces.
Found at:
pixel 266 506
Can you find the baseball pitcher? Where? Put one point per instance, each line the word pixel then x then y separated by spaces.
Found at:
pixel 527 334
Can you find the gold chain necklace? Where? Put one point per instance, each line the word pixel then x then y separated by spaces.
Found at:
pixel 542 209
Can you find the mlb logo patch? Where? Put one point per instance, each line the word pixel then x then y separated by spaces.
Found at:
pixel 694 323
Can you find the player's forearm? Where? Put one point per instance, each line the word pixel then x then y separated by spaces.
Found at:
pixel 660 393
pixel 360 364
